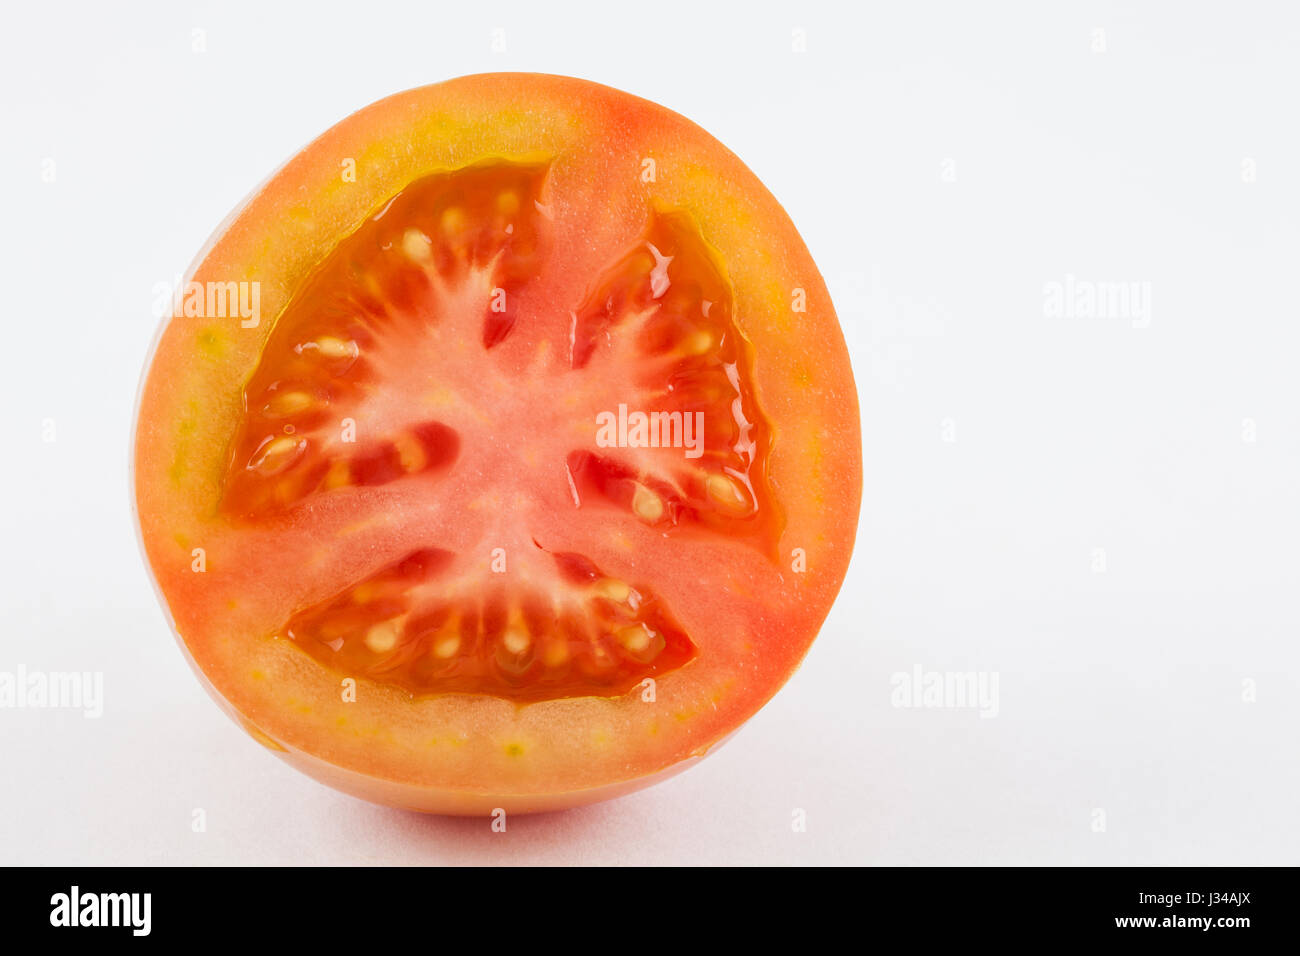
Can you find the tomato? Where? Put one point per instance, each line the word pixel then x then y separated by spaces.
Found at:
pixel 502 450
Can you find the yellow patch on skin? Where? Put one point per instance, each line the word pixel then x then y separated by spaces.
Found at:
pixel 514 750
pixel 212 343
pixel 182 540
pixel 259 675
pixel 178 471
pixel 262 738
pixel 737 215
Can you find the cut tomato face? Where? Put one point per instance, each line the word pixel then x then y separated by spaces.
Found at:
pixel 502 451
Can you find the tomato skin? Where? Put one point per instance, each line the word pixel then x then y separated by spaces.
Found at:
pixel 406 796
pixel 465 756
pixel 423 799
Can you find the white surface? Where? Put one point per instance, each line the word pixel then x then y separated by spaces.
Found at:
pixel 1119 691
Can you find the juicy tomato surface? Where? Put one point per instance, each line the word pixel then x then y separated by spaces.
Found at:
pixel 502 451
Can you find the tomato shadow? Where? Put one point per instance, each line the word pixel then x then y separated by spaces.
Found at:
pixel 554 837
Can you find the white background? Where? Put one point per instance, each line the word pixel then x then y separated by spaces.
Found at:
pixel 943 165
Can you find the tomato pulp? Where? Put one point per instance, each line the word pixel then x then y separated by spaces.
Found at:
pixel 502 450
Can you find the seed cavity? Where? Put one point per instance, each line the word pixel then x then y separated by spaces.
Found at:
pixel 388 289
pixel 423 625
pixel 668 296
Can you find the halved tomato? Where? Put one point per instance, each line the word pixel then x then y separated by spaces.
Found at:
pixel 502 450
